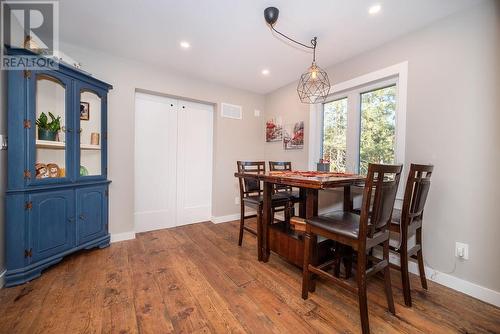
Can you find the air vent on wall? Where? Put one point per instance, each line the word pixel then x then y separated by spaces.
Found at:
pixel 231 111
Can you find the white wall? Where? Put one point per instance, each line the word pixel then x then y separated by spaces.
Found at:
pixel 284 103
pixel 452 122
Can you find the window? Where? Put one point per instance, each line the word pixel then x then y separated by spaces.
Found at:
pixel 359 127
pixel 334 144
pixel 363 121
pixel 377 139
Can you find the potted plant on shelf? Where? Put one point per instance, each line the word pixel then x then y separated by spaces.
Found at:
pixel 48 130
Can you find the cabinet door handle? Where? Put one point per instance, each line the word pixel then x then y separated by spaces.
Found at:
pixel 82 217
pixel 71 220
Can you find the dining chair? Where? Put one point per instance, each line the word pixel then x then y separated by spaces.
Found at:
pixel 408 222
pixel 362 233
pixel 294 195
pixel 251 195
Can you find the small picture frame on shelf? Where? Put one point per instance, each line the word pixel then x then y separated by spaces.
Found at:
pixel 84 111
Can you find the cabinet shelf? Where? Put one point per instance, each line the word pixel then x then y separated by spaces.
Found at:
pixel 56 145
pixel 90 147
pixel 59 145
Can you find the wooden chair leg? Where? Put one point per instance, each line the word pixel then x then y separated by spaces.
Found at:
pixel 242 223
pixel 420 258
pixel 313 259
pixel 306 276
pixel 405 279
pixel 259 234
pixel 387 280
pixel 302 203
pixel 405 276
pixel 363 303
pixel 288 208
pixel 370 262
pixel 347 254
pixel 338 259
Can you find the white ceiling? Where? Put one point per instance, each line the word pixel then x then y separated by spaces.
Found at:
pixel 230 42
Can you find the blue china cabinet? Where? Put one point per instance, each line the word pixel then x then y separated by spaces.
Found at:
pixel 57 192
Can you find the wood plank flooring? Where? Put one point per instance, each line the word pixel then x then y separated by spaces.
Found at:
pixel 195 279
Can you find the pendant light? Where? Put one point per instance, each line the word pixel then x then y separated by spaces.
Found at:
pixel 314 85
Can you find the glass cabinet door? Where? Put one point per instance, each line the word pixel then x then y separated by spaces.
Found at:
pixel 91 139
pixel 51 137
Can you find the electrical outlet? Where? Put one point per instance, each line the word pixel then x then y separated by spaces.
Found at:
pixel 462 250
pixel 256 113
pixel 237 200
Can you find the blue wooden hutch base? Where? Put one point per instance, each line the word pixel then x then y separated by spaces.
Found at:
pixel 28 273
pixel 24 266
pixel 58 214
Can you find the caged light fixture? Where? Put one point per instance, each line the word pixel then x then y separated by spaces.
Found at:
pixel 314 84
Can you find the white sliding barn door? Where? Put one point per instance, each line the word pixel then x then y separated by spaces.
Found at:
pixel 173 162
pixel 194 163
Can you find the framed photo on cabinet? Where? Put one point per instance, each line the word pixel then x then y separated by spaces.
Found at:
pixel 84 111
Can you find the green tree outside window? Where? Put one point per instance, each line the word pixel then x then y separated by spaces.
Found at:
pixel 335 134
pixel 377 143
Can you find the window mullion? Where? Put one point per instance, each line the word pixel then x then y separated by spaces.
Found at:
pixel 352 155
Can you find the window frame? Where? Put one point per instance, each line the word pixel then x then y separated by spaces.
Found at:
pixel 395 74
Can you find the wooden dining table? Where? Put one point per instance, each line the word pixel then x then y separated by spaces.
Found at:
pixel 280 238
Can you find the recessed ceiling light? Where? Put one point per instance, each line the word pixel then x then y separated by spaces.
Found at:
pixel 374 9
pixel 185 45
pixel 265 71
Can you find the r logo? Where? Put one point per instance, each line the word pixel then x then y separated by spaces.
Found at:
pixel 30 24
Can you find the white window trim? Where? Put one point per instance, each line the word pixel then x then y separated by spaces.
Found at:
pixel 399 71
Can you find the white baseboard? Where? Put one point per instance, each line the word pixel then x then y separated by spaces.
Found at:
pixel 224 219
pixel 230 218
pixel 477 291
pixel 116 237
pixel 474 290
pixel 2 278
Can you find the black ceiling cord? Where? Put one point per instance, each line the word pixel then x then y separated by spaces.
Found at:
pixel 314 85
pixel 271 16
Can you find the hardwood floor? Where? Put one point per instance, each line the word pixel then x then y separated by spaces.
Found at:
pixel 195 279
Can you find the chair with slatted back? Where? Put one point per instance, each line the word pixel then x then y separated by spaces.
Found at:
pixel 251 195
pixel 294 195
pixel 362 233
pixel 408 222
